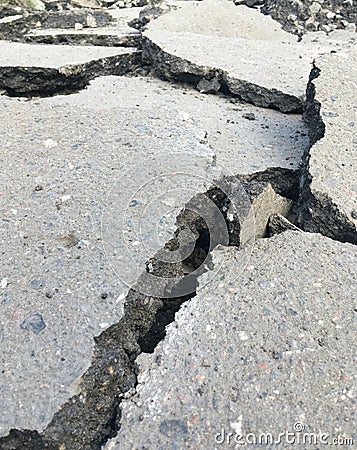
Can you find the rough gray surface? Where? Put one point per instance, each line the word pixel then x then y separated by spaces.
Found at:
pixel 241 146
pixel 91 188
pixel 328 202
pixel 264 347
pixel 15 54
pixel 15 26
pixel 248 53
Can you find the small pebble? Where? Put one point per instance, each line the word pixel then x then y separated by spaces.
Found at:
pixel 354 214
pixel 34 322
pixel 173 427
pixel 37 283
pixel 243 336
pixel 330 114
pixel 50 143
pixel 249 116
pixel 121 297
pixel 65 198
pixel 315 8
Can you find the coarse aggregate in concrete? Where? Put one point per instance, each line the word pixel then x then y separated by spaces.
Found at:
pixel 267 347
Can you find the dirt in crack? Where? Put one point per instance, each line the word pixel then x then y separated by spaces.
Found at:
pixel 90 419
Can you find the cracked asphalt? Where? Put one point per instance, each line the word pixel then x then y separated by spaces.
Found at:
pixel 210 110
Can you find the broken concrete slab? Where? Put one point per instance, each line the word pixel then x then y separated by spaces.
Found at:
pixel 116 33
pixel 328 202
pixel 14 54
pixel 218 40
pixel 30 69
pixel 264 349
pixel 109 37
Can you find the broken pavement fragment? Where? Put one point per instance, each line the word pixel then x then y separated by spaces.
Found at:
pixel 328 201
pixel 238 48
pixel 116 33
pixel 15 27
pixel 51 243
pixel 27 69
pixel 255 352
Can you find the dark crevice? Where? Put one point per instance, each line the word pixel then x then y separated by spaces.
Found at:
pixel 315 211
pixel 128 41
pixel 285 182
pixel 164 316
pixel 16 30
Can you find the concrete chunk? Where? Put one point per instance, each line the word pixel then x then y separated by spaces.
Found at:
pixel 267 349
pixel 14 54
pixel 272 140
pixel 248 53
